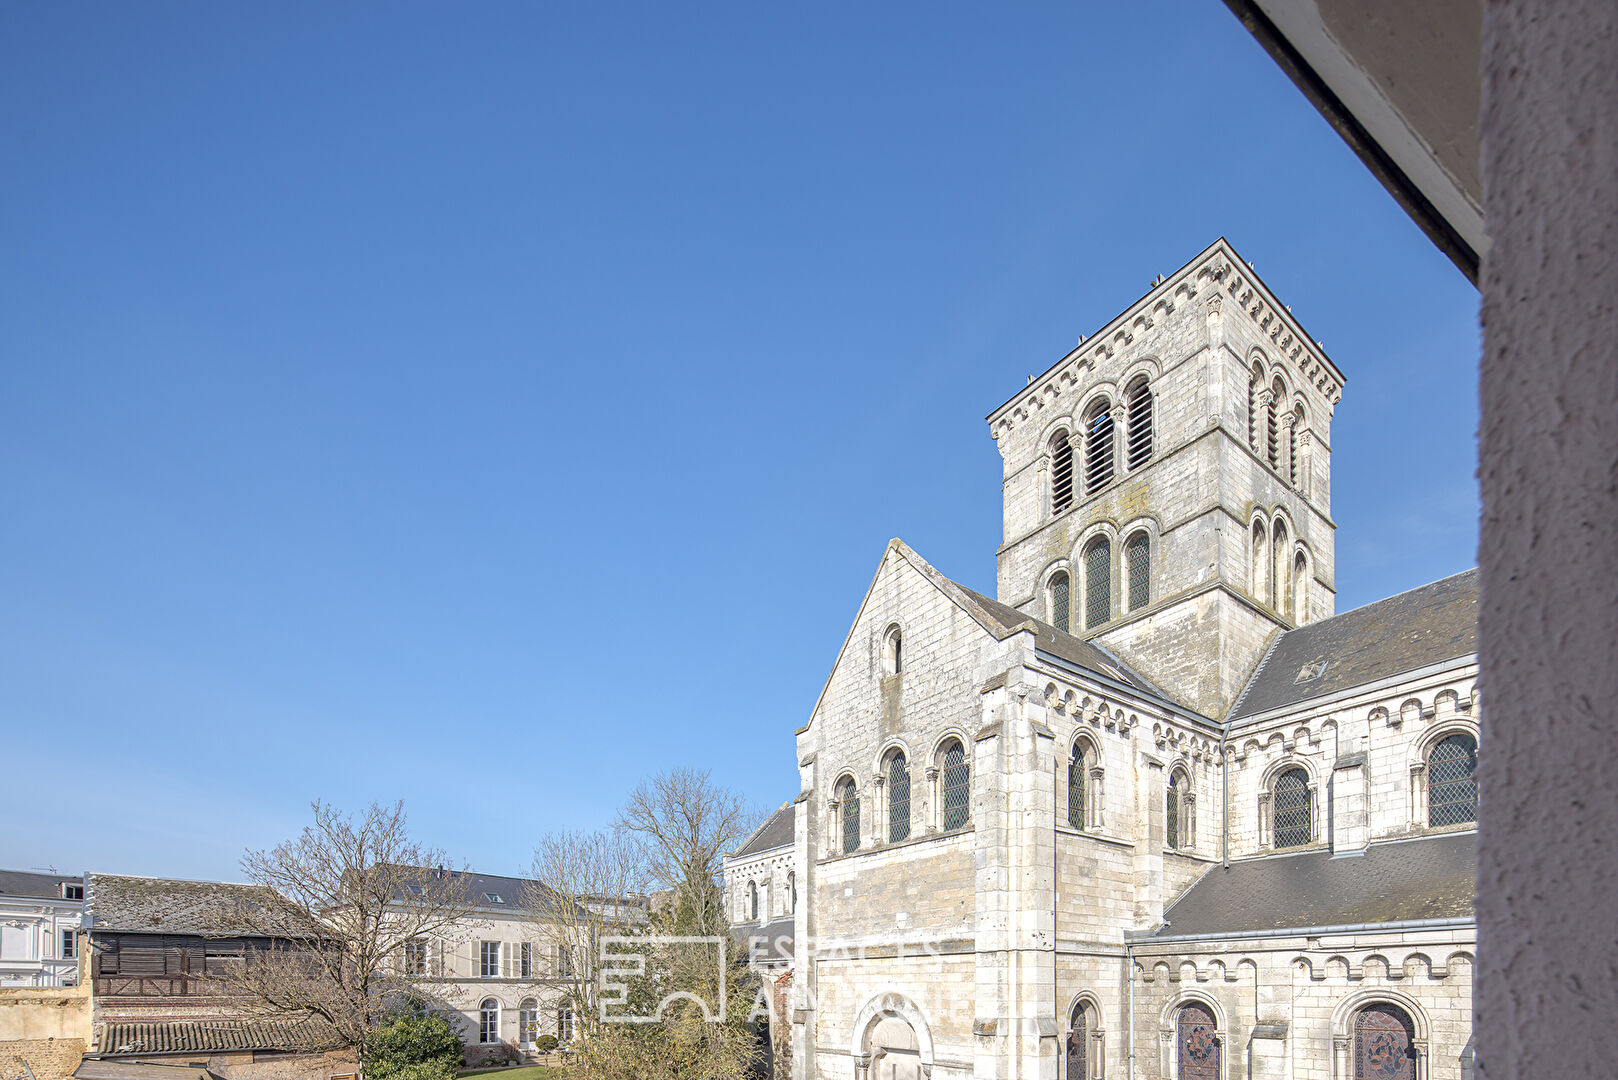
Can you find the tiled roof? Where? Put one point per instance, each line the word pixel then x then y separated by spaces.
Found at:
pixel 769 943
pixel 494 892
pixel 1412 630
pixel 214 1035
pixel 218 909
pixel 776 832
pixel 34 885
pixel 1433 877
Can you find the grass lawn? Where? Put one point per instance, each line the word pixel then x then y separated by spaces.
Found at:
pixel 525 1072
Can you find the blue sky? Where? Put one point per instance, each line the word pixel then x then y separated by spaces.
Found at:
pixel 487 405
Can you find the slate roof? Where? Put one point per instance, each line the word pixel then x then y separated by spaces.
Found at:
pixel 217 909
pixel 123 1040
pixel 770 943
pixel 1414 629
pixel 776 832
pixel 1047 638
pixel 1433 877
pixel 515 894
pixel 34 885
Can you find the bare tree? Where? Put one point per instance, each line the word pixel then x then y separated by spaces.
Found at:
pixel 683 824
pixel 373 905
pixel 587 885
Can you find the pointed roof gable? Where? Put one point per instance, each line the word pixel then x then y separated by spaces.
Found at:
pixel 777 831
pixel 1001 621
pixel 1217 268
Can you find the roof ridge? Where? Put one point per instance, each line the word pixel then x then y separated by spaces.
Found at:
pixel 1385 599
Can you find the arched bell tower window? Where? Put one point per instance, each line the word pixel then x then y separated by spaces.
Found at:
pixel 1254 378
pixel 1061 472
pixel 1294 817
pixel 1098 451
pixel 1061 588
pixel 1452 781
pixel 1260 562
pixel 898 777
pixel 1272 424
pixel 1138 410
pixel 752 900
pixel 1177 827
pixel 1281 573
pixel 1300 589
pixel 1098 583
pixel 1138 560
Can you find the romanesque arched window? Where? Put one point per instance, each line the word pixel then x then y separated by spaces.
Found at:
pixel 1061 472
pixel 1082 1028
pixel 848 804
pixel 1060 600
pixel 752 900
pixel 792 891
pixel 1138 561
pixel 957 785
pixel 1098 451
pixel 1452 781
pixel 489 1021
pixel 1138 413
pixel 893 651
pixel 1196 1043
pixel 1076 767
pixel 1281 572
pixel 1384 1043
pixel 1098 583
pixel 1260 560
pixel 1177 811
pixel 1292 443
pixel 898 798
pixel 1300 589
pixel 1294 817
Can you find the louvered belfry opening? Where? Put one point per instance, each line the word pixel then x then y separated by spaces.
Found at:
pixel 1098 584
pixel 1139 450
pixel 1138 555
pixel 957 786
pixel 1293 827
pixel 898 799
pixel 1098 463
pixel 1060 592
pixel 1452 782
pixel 1272 424
pixel 1075 788
pixel 1252 408
pixel 1061 473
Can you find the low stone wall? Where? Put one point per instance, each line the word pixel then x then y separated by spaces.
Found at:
pixel 46 1028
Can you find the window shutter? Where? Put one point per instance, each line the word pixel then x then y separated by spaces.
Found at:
pixel 505 959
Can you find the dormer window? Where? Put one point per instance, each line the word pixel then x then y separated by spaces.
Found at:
pixel 493 898
pixel 72 892
pixel 413 889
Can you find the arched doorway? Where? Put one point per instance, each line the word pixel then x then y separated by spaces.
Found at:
pixel 1196 1043
pixel 895 1052
pixel 1081 1029
pixel 1384 1044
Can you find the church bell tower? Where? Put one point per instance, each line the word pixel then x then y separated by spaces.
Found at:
pixel 1167 484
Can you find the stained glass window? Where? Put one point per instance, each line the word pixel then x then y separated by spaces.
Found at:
pixel 898 799
pixel 1098 584
pixel 1059 602
pixel 1293 824
pixel 850 798
pixel 957 785
pixel 1137 554
pixel 1075 788
pixel 1452 782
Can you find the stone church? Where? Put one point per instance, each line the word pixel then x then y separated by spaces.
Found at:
pixel 1154 810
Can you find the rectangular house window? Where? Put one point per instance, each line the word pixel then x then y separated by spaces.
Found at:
pixel 527 960
pixel 70 944
pixel 415 956
pixel 491 959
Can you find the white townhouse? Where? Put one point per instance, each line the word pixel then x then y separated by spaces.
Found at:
pixel 40 916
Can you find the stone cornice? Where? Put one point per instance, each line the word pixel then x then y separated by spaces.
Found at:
pixel 1219 271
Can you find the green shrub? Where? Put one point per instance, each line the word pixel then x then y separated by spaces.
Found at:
pixel 545 1043
pixel 414 1046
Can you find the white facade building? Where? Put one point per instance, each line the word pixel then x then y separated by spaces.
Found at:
pixel 39 923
